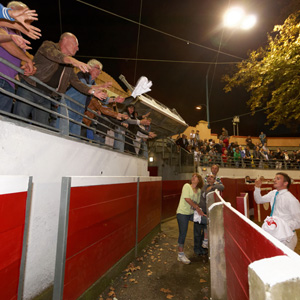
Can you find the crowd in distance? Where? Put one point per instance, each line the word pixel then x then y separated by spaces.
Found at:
pixel 228 153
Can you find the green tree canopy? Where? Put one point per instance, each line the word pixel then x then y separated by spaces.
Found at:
pixel 271 75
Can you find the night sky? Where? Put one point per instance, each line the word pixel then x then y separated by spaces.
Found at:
pixel 179 84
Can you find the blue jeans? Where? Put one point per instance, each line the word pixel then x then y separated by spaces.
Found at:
pixel 93 136
pixel 24 110
pixel 6 101
pixel 73 127
pixel 183 223
pixel 119 134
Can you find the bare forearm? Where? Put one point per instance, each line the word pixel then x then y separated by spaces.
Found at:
pixel 15 51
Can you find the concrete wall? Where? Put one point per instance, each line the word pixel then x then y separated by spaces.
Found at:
pixel 48 157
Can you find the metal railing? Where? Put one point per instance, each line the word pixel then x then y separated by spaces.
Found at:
pixel 62 120
pixel 206 160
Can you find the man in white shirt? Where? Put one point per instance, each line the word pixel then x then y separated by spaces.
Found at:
pixel 286 206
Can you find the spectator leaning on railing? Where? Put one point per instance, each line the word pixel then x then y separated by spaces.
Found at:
pixel 11 51
pixel 87 78
pixel 54 63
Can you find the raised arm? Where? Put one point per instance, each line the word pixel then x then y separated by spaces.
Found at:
pixel 14 50
pixel 31 31
pixel 22 15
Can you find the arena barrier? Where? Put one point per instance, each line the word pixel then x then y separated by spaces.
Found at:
pixel 103 222
pixel 245 261
pixel 171 191
pixel 15 201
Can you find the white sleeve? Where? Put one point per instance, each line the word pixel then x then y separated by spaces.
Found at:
pixel 294 208
pixel 262 199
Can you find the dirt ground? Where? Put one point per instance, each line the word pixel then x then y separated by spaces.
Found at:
pixel 156 273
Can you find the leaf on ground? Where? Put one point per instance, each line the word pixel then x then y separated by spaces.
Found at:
pixel 149 273
pixel 111 288
pixel 170 296
pixel 149 266
pixel 202 280
pixel 112 293
pixel 166 291
pixel 125 286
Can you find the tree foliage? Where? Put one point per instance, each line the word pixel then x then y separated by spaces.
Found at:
pixel 271 75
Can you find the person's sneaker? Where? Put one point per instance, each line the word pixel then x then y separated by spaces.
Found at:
pixel 205 243
pixel 183 259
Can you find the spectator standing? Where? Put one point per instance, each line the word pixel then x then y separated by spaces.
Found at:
pixel 237 158
pixel 13 54
pixel 197 136
pixel 249 142
pixel 283 204
pixel 87 78
pixel 263 138
pixel 54 63
pixel 189 201
pixel 192 136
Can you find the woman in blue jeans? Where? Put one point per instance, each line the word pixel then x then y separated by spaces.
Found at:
pixel 189 201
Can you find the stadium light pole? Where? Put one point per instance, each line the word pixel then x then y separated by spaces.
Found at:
pixel 234 17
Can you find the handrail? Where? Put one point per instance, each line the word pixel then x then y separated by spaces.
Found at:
pixel 63 114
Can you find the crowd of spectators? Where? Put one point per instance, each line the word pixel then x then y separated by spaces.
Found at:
pixel 228 153
pixel 91 111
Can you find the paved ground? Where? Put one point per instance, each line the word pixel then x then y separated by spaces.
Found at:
pixel 157 274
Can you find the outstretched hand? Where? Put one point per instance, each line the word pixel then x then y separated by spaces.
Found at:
pixel 100 95
pixel 20 42
pixel 22 15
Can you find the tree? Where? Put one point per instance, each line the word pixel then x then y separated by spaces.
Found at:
pixel 271 75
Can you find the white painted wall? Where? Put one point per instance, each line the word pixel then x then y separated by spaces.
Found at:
pixel 48 157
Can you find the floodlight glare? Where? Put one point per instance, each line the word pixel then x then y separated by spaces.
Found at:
pixel 233 17
pixel 248 22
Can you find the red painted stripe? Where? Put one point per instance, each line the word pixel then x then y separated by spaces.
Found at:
pixel 12 216
pixel 149 207
pixel 12 210
pixel 102 222
pixel 243 245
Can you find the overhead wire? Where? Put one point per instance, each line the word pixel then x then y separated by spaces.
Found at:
pixel 138 42
pixel 160 31
pixel 161 60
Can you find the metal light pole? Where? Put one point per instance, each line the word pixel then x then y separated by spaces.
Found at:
pixel 207 99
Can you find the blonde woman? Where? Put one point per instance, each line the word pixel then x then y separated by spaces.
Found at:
pixel 189 201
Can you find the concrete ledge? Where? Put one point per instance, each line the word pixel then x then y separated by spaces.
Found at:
pixel 217 254
pixel 274 278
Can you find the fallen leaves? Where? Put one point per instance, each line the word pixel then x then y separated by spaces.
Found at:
pixel 168 292
pixel 202 280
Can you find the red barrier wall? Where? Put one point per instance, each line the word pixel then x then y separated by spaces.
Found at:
pixel 149 207
pixel 171 191
pixel 243 245
pixel 12 216
pixel 102 229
